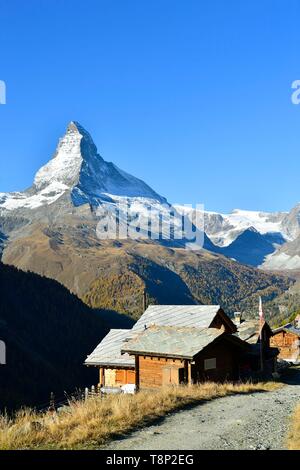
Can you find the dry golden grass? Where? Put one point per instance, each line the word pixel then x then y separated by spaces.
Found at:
pixel 91 423
pixel 294 435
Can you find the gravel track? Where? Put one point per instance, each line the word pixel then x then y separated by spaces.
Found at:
pixel 253 421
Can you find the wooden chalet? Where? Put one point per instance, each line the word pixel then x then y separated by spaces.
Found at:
pixel 169 355
pixel 171 344
pixel 287 340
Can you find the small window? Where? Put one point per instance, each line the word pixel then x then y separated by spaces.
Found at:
pixel 210 363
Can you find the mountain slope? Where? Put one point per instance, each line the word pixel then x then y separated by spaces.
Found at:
pixel 286 258
pixel 223 229
pixel 48 333
pixel 51 229
pixel 113 275
pixel 229 234
pixel 250 247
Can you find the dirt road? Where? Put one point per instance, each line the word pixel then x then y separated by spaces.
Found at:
pixel 253 421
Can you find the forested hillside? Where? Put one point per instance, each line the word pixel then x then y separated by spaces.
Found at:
pixel 175 276
pixel 48 333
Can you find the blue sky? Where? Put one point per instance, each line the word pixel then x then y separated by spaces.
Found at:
pixel 192 96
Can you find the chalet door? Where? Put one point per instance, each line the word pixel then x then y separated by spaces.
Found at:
pixel 182 375
pixel 170 376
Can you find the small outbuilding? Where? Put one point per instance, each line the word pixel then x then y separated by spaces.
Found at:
pixel 287 340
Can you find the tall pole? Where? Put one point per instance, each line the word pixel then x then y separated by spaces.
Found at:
pixel 261 322
pixel 144 300
pixel 261 349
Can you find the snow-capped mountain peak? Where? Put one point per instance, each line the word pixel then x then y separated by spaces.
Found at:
pixel 223 229
pixel 73 149
pixel 78 165
pixel 77 168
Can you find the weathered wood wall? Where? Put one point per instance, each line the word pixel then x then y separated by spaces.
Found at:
pixel 118 377
pixel 227 360
pixel 125 376
pixel 288 345
pixel 109 377
pixel 154 371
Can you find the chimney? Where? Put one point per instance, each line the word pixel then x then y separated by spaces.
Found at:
pixel 297 322
pixel 237 318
